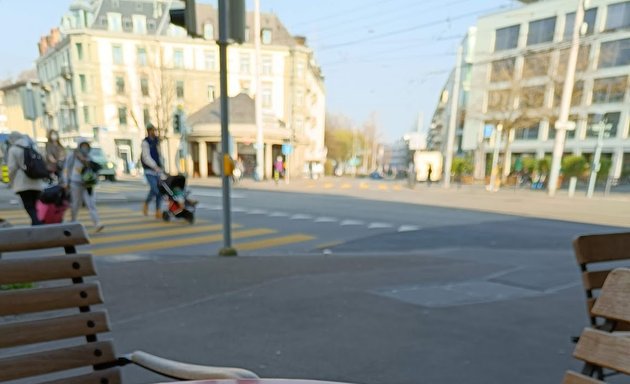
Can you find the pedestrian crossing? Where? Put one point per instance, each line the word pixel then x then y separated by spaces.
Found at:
pixel 127 232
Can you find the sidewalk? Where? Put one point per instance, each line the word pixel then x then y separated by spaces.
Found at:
pixel 611 210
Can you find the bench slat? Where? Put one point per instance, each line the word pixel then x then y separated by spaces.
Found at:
pixel 42 237
pixel 59 328
pixel 41 363
pixel 604 349
pixel 571 377
pixel 28 270
pixel 109 376
pixel 612 302
pixel 600 248
pixel 594 279
pixel 48 299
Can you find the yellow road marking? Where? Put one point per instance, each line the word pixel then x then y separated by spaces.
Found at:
pixel 364 186
pixel 346 186
pixel 148 225
pixel 397 187
pixel 328 185
pixel 273 242
pixel 329 245
pixel 174 243
pixel 383 187
pixel 106 239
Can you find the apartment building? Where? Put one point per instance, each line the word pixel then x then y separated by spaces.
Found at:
pixel 518 68
pixel 113 66
pixel 11 106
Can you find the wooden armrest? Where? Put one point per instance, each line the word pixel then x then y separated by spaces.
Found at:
pixel 183 371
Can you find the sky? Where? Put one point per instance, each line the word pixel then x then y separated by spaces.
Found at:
pixel 382 59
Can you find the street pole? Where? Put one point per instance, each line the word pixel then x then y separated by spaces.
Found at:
pixel 452 126
pixel 227 249
pixel 598 154
pixel 260 145
pixel 565 104
pixel 495 157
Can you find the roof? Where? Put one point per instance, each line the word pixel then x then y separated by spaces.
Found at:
pixel 242 111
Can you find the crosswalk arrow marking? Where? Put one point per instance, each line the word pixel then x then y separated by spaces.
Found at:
pixel 379 225
pixel 408 228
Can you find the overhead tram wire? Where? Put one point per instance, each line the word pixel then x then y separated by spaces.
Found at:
pixel 338 14
pixel 408 29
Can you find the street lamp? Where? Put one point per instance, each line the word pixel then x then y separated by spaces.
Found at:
pixel 495 158
pixel 602 127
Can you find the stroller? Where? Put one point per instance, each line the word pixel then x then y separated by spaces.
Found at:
pixel 173 189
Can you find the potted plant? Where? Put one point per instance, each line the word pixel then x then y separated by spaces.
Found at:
pixel 573 167
pixel 462 168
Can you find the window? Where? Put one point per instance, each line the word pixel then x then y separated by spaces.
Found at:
pixel 618 16
pixel 536 65
pixel 211 93
pixel 86 114
pixel 179 89
pixel 114 22
pixel 178 58
pixel 247 32
pixel 541 31
pixel 127 24
pixel 609 120
pixel 610 89
pixel 151 25
pixel 139 24
pixel 502 70
pixel 506 38
pixel 532 97
pixel 614 53
pixel 144 86
pixel 266 36
pixel 117 54
pixel 83 83
pixel 299 69
pixel 122 115
pixel 120 85
pixel 146 115
pixel 499 100
pixel 529 133
pixel 208 31
pixel 570 133
pixel 582 60
pixel 266 65
pixel 79 48
pixel 142 56
pixel 244 59
pixel 576 96
pixel 266 95
pixel 299 98
pixel 589 18
pixel 209 60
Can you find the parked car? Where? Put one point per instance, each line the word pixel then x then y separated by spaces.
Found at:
pixel 108 169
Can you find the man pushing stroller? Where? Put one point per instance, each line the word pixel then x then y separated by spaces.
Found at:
pixel 151 159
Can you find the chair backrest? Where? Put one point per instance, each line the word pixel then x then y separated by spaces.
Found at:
pixel 49 332
pixel 593 249
pixel 600 349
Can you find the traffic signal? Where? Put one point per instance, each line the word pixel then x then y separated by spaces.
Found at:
pixel 186 18
pixel 177 122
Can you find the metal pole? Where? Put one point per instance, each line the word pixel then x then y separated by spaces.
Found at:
pixel 225 134
pixel 596 158
pixel 452 125
pixel 260 145
pixel 495 157
pixel 565 104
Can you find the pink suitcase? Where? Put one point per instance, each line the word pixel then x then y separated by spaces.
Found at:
pixel 51 213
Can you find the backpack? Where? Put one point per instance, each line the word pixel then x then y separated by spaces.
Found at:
pixel 34 165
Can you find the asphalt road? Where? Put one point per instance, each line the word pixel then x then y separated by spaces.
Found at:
pixel 375 292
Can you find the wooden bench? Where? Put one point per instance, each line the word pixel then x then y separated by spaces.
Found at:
pixel 591 250
pixel 600 349
pixel 51 333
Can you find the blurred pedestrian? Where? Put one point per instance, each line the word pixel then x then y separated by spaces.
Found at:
pixel 55 153
pixel 27 188
pixel 80 178
pixel 151 160
pixel 411 175
pixel 429 172
pixel 278 169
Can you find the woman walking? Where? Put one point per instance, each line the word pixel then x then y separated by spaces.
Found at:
pixel 55 153
pixel 27 188
pixel 80 179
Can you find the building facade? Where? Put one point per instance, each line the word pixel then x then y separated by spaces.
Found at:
pixel 518 71
pixel 11 109
pixel 116 65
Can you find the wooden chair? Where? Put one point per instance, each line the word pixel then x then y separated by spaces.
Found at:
pixel 594 249
pixel 51 333
pixel 600 349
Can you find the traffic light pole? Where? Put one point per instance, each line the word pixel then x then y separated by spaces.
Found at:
pixel 227 249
